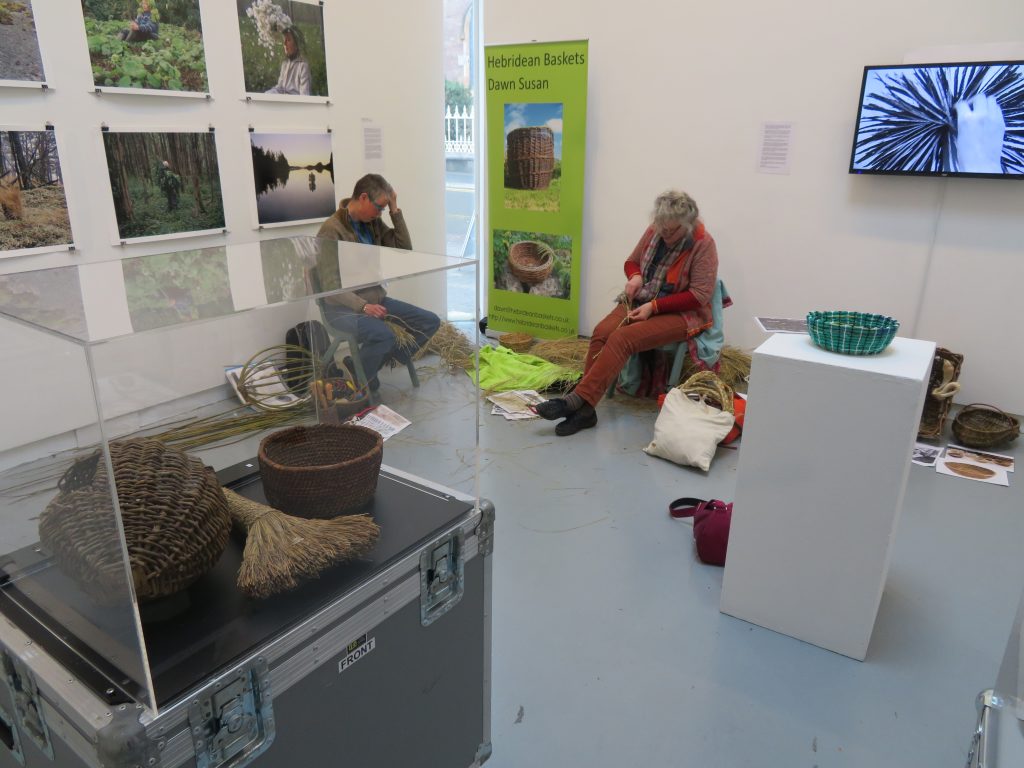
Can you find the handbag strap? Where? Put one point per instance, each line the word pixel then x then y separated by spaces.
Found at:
pixel 686 507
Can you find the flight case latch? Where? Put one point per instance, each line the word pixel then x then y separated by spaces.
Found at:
pixel 442 577
pixel 28 711
pixel 233 723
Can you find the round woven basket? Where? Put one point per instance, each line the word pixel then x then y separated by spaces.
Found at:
pixel 173 512
pixel 320 471
pixel 530 158
pixel 851 333
pixel 531 261
pixel 985 426
pixel 517 342
pixel 711 389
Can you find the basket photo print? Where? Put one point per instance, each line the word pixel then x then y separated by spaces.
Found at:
pixel 533 156
pixel 533 262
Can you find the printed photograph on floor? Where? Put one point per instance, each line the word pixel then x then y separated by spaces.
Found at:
pixel 164 183
pixel 152 44
pixel 283 47
pixel 294 175
pixel 33 206
pixel 533 156
pixel 533 262
pixel 173 288
pixel 19 43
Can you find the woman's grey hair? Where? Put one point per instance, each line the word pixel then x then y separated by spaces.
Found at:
pixel 675 206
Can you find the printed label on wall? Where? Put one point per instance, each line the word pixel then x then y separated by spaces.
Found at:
pixel 536 137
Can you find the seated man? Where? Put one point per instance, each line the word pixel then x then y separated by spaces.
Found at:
pixel 362 312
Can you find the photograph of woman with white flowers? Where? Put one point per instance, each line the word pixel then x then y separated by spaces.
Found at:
pixel 283 49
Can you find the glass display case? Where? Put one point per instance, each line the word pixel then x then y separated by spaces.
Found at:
pixel 102 354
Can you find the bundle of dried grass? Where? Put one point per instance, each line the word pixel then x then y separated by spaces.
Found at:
pixel 403 336
pixel 452 346
pixel 281 550
pixel 570 352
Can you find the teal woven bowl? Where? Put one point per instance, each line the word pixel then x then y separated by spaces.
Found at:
pixel 851 333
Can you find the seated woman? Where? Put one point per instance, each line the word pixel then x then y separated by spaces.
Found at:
pixel 671 277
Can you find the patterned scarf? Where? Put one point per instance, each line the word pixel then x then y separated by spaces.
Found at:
pixel 653 286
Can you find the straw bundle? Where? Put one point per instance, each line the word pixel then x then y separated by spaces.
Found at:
pixel 517 342
pixel 261 378
pixel 710 389
pixel 403 337
pixel 452 346
pixel 281 550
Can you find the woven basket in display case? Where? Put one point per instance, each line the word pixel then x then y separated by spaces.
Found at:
pixel 173 511
pixel 985 426
pixel 942 385
pixel 531 261
pixel 320 471
pixel 517 342
pixel 530 158
pixel 851 333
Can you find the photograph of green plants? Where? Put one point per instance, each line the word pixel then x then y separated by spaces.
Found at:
pixel 19 44
pixel 533 262
pixel 283 47
pixel 172 288
pixel 33 207
pixel 164 183
pixel 153 44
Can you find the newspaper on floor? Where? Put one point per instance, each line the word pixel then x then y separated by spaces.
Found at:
pixel 515 405
pixel 266 381
pixel 383 420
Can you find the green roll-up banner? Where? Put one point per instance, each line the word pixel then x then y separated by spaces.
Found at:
pixel 536 137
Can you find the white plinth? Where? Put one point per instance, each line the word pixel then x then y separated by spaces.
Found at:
pixel 823 466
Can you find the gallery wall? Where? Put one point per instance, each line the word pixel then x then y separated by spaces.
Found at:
pixel 677 97
pixel 386 76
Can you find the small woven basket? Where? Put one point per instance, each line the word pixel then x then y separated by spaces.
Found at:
pixel 517 342
pixel 531 261
pixel 942 385
pixel 173 512
pixel 711 390
pixel 320 471
pixel 985 426
pixel 851 333
pixel 530 158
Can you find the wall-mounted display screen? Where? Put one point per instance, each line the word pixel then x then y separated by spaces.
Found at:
pixel 941 120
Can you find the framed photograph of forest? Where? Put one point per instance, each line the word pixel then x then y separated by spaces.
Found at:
pixel 284 54
pixel 164 184
pixel 33 205
pixel 294 177
pixel 174 288
pixel 146 45
pixel 20 62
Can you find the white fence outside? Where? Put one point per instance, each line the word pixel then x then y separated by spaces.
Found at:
pixel 458 131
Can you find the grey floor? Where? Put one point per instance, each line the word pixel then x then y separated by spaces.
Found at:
pixel 609 649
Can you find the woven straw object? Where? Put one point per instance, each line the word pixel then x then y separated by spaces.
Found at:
pixel 531 261
pixel 320 471
pixel 173 511
pixel 530 158
pixel 711 390
pixel 517 342
pixel 942 386
pixel 985 426
pixel 851 333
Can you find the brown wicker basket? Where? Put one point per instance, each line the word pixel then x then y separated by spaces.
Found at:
pixel 320 471
pixel 530 158
pixel 710 389
pixel 531 261
pixel 942 386
pixel 985 426
pixel 517 342
pixel 173 512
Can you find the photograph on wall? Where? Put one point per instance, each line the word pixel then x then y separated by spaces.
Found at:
pixel 20 62
pixel 146 44
pixel 164 183
pixel 51 298
pixel 533 156
pixel 283 47
pixel 533 262
pixel 294 177
pixel 33 206
pixel 174 288
pixel 937 119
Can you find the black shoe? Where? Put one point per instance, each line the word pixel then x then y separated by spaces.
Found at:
pixel 373 384
pixel 584 418
pixel 553 409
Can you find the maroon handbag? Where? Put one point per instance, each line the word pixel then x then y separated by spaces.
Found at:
pixel 710 526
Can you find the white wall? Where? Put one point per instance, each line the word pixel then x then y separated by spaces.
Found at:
pixel 677 96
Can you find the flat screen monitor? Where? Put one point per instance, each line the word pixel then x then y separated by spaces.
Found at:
pixel 941 120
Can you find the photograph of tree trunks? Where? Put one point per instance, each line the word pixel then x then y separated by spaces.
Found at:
pixel 164 183
pixel 33 208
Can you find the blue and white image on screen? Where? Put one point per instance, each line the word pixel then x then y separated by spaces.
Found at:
pixel 942 119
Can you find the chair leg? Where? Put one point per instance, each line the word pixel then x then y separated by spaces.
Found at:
pixel 611 387
pixel 412 372
pixel 682 348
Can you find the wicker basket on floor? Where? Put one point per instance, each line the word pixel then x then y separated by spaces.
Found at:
pixel 517 342
pixel 942 386
pixel 173 512
pixel 531 261
pixel 320 471
pixel 530 158
pixel 711 390
pixel 985 426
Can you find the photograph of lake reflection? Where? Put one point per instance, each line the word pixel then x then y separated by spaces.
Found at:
pixel 294 175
